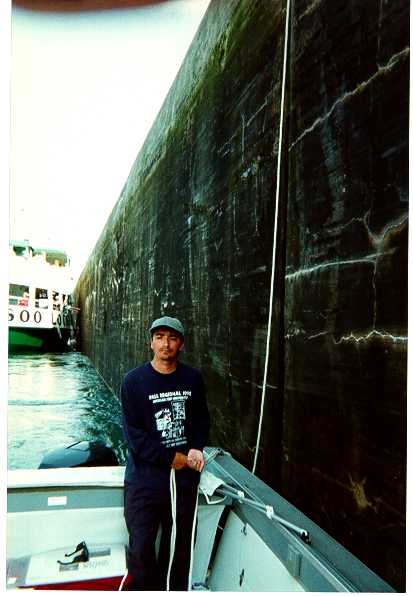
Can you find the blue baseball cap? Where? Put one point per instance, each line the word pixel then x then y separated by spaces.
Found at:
pixel 170 322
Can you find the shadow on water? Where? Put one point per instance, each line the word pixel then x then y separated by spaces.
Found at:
pixel 56 399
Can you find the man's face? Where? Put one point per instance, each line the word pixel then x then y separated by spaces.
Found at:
pixel 166 344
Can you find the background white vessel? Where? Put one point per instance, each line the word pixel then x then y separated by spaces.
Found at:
pixel 41 314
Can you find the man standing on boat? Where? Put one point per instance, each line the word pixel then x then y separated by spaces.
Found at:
pixel 166 425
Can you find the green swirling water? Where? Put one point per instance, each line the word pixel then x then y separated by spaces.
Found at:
pixel 55 400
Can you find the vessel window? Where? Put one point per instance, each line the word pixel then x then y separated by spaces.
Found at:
pixel 56 259
pixel 20 251
pixel 41 298
pixel 18 290
pixel 18 294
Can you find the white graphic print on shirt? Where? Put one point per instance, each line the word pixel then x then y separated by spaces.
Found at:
pixel 171 416
pixel 178 409
pixel 163 419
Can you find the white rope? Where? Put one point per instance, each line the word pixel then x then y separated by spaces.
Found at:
pixel 123 581
pixel 172 488
pixel 192 544
pixel 277 196
pixel 269 511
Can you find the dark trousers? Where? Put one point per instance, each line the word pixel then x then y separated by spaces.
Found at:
pixel 145 511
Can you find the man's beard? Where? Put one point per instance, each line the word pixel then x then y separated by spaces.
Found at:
pixel 167 356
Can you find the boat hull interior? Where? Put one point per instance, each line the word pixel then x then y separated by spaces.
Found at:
pixel 237 548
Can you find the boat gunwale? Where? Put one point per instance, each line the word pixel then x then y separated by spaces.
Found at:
pixel 103 476
pixel 324 555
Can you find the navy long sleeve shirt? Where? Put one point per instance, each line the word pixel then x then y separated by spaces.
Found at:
pixel 162 414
